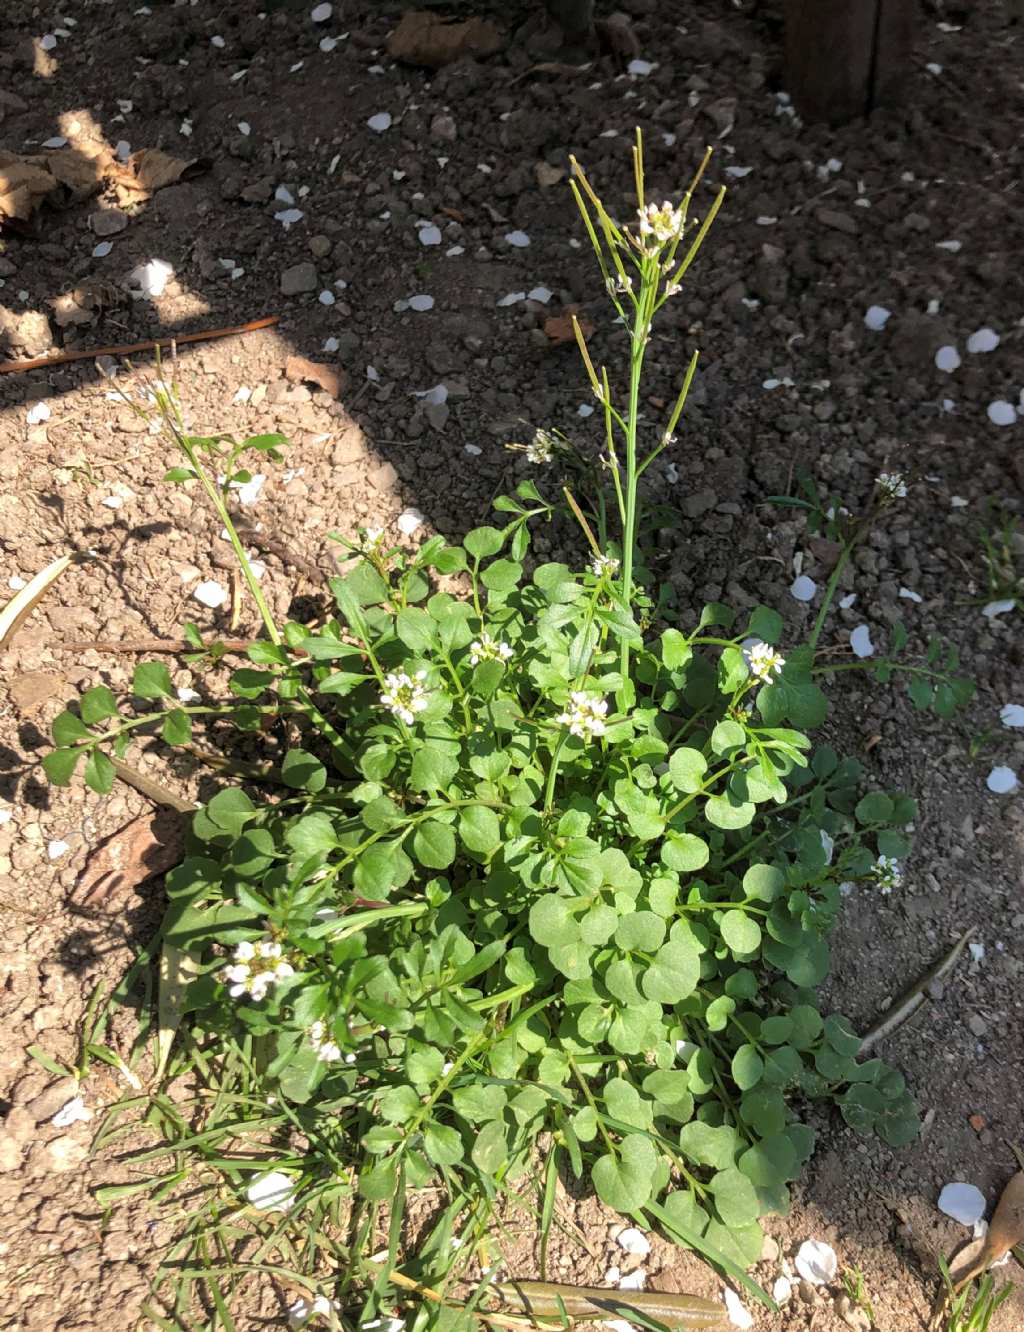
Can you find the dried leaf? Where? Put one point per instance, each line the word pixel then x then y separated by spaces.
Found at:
pixel 424 38
pixel 548 175
pixel 23 187
pixel 150 844
pixel 151 169
pixel 549 1299
pixel 23 603
pixel 559 328
pixel 911 1000
pixel 299 369
pixel 1006 1229
pixel 177 968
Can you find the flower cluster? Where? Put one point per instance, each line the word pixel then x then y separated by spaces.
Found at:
pixel 541 449
pixel 602 566
pixel 485 648
pixel 888 873
pixel 373 539
pixel 764 661
pixel 404 695
pixel 327 1049
pixel 253 968
pixel 584 715
pixel 892 484
pixel 659 226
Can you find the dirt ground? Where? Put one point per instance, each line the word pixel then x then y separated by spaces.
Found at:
pixel 462 198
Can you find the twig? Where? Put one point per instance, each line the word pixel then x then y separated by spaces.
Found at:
pixel 153 790
pixel 126 348
pixel 172 645
pixel 911 1000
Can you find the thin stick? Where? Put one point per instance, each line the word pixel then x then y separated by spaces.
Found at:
pixel 126 348
pixel 904 1008
pixel 173 645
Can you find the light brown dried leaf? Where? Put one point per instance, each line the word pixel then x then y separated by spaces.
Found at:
pixel 559 327
pixel 300 369
pixel 150 844
pixel 23 603
pixel 151 169
pixel 23 187
pixel 423 38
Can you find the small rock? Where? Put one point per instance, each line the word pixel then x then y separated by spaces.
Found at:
pixel 977 1024
pixel 836 221
pixel 383 477
pixel 29 331
pixel 694 506
pixel 108 222
pixel 10 1154
pixel 442 128
pixel 65 1153
pixel 321 246
pixel 299 278
pixel 29 692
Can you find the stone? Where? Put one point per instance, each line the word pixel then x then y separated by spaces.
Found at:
pixel 10 1154
pixel 28 332
pixel 700 503
pixel 299 278
pixel 29 692
pixel 442 128
pixel 108 222
pixel 836 221
pixel 320 246
pixel 977 1024
pixel 383 477
pixel 64 1154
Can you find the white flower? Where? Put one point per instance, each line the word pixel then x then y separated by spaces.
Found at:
pixel 327 1050
pixel 307 1307
pixel 372 538
pixel 485 648
pixel 893 484
pixel 816 1262
pixel 72 1112
pixel 248 972
pixel 404 695
pixel 661 225
pixel 584 715
pixel 764 661
pixel 888 873
pixel 604 565
pixel 541 449
pixel 273 1192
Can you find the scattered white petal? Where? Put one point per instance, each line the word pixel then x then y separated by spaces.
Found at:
pixel 5 816
pixel 218 42
pixel 764 221
pixel 455 251
pixel 611 1276
pixel 948 27
pixel 803 588
pixel 517 238
pixel 185 128
pixel 860 641
pixel 421 303
pixel 1001 413
pixel 326 297
pixel 101 250
pixel 948 404
pixel 48 41
pixel 908 594
pixel 40 412
pixel 436 396
pixel 770 384
pixel 995 608
pixel 513 298
pixel 963 1202
pixel 58 141
pixel 953 246
pixel 738 172
pixel 958 502
pixel 633 1280
pixel 1012 715
pixel 380 122
pixel 289 216
pixel 373 374
pixel 618 1325
pixel 331 345
pixel 248 492
pixel 273 1192
pixel 305 1308
pixel 1001 780
pixel 828 845
pixel 187 695
pixel 877 317
pixel 151 278
pixel 244 128
pixel 816 1262
pixel 112 502
pixel 474 450
pixel 211 593
pixel 739 1314
pixel 284 195
pixel 947 359
pixel 410 521
pixel 56 849
pixel 322 13
pixel 327 44
pixel 541 294
pixel 74 1111
pixel 633 1241
pixel 584 409
pixel 933 68
pixel 669 140
pixel 430 235
pixel 294 69
pixel 983 340
pixel 640 67
pixel 846 602
pixel 933 307
pixel 258 569
pixel 977 951
pixel 782 1290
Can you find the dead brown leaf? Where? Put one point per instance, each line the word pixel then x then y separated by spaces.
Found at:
pixel 424 38
pixel 548 175
pixel 150 844
pixel 300 370
pixel 151 169
pixel 23 187
pixel 559 327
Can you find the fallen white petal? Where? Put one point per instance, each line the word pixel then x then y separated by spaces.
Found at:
pixel 151 278
pixel 947 359
pixel 977 951
pixel 633 1241
pixel 436 396
pixel 639 67
pixel 305 1308
pixel 58 141
pixel 186 695
pixel 909 595
pixel 5 816
pixel 739 1314
pixel 373 374
pixel 112 502
pixel 860 641
pixel 410 521
pixel 210 593
pixel 74 1111
pixel 327 297
pixel 421 303
pixel 933 68
pixel 1000 781
pixel 273 1192
pixel 803 588
pixel 331 345
pixel 517 238
pixel 541 294
pixel 963 1202
pixel 474 450
pixel 322 13
pixel 56 849
pixel 995 608
pixel 584 409
pixel 513 298
pixel 633 1280
pixel 1002 413
pixel 218 42
pixel 1012 715
pixel 430 235
pixel 958 502
pixel 846 602
pixel 380 122
pixel 951 245
pixel 877 317
pixel 782 1290
pixel 738 172
pixel 827 845
pixel 48 41
pixel 455 251
pixel 40 412
pixel 101 250
pixel 248 492
pixel 288 216
pixel 816 1262
pixel 984 340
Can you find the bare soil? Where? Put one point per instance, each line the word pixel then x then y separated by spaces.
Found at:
pixel 824 225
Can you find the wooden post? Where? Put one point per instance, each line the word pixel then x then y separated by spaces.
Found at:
pixel 845 57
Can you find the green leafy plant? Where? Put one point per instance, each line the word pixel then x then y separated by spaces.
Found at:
pixel 536 890
pixel 857 1290
pixel 972 1310
pixel 1002 546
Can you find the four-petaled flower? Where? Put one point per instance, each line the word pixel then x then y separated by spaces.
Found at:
pixel 764 661
pixel 327 1049
pixel 485 648
pixel 661 225
pixel 253 968
pixel 604 565
pixel 404 695
pixel 888 873
pixel 893 484
pixel 541 449
pixel 584 715
pixel 373 537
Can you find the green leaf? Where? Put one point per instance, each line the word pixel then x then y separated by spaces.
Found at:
pixel 747 1067
pixel 709 1145
pixel 769 1162
pixel 782 1065
pixel 727 735
pixel 742 1245
pixel 764 1109
pixel 728 812
pixel 311 835
pixel 551 923
pixel 99 772
pixel 416 629
pixel 231 809
pixel 152 680
pixel 763 882
pixel 807 1026
pixel 434 765
pixel 380 1181
pixel 398 1105
pixel 732 670
pixel 433 844
pixel 776 1030
pixel 765 624
pixel 675 650
pixel 490 1147
pixel 875 807
pixel 59 765
pixel 97 704
pixel 624 1181
pixel 483 542
pixel 686 769
pixel 442 1143
pixel 841 1036
pixel 303 771
pixel 735 1197
pixel 674 973
pixel 177 727
pixel 718 1012
pixel 479 829
pixel 640 931
pixel 670 1090
pixel 810 964
pixel 684 852
pixel 741 932
pixel 502 575
pixel 861 1106
pixel 376 870
pixel 67 729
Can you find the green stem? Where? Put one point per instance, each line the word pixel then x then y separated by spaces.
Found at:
pixel 549 789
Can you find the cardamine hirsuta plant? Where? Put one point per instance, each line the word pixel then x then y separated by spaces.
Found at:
pixel 535 884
